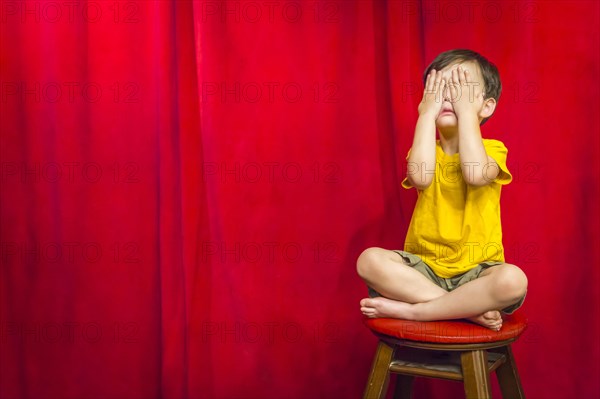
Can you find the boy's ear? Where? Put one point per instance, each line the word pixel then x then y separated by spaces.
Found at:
pixel 488 108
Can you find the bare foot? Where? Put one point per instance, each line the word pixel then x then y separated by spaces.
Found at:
pixel 491 319
pixel 384 307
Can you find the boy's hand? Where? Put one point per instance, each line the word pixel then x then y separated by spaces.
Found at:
pixel 465 95
pixel 433 94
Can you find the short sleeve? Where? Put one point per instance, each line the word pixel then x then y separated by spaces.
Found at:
pixel 498 151
pixel 406 183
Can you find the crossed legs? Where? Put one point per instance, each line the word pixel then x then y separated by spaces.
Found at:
pixel 408 294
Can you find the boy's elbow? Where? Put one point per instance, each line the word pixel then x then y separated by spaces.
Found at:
pixel 479 177
pixel 477 181
pixel 420 183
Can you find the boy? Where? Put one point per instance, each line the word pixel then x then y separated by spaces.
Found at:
pixel 452 265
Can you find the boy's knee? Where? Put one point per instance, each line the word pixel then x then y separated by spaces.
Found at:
pixel 367 261
pixel 511 282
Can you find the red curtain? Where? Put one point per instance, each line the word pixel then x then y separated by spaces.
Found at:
pixel 186 187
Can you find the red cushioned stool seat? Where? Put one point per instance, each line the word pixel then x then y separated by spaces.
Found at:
pixel 448 332
pixel 454 350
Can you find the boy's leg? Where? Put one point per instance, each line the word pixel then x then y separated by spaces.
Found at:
pixel 496 288
pixel 386 272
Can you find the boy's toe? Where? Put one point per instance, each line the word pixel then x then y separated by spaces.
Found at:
pixel 492 315
pixel 367 302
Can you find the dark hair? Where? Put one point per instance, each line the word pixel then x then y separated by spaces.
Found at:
pixel 491 77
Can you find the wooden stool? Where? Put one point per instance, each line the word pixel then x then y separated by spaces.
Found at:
pixel 453 350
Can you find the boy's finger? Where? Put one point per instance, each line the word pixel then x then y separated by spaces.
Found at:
pixel 453 91
pixel 461 74
pixel 440 93
pixel 430 79
pixel 438 80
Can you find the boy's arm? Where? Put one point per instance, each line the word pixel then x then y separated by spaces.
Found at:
pixel 421 160
pixel 477 167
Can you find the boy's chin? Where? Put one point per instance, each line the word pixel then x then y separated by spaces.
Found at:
pixel 447 117
pixel 446 122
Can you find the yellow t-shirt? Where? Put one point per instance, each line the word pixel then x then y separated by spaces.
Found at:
pixel 456 226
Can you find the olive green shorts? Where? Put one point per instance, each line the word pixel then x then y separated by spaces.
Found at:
pixel 451 283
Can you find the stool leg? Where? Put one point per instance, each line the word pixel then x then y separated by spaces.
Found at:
pixel 475 374
pixel 403 386
pixel 508 376
pixel 380 372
